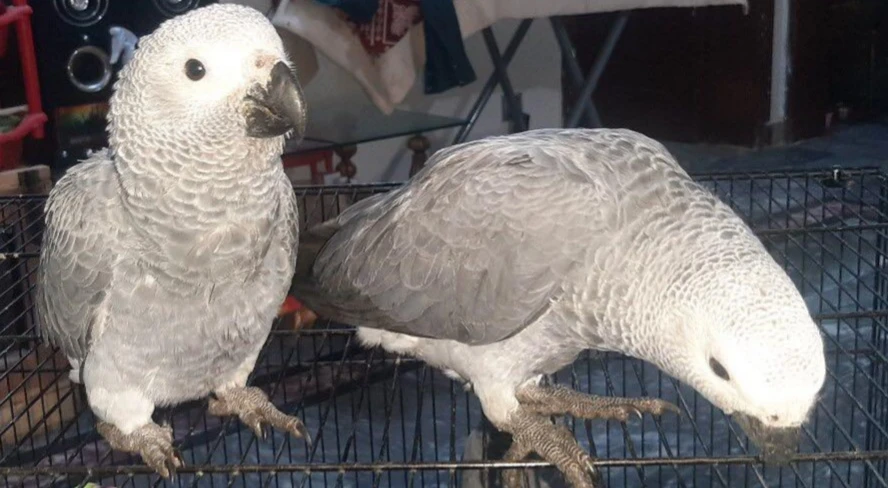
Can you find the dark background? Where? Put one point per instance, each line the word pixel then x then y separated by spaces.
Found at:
pixel 703 75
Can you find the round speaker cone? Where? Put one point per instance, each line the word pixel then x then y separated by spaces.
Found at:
pixel 172 8
pixel 89 69
pixel 80 13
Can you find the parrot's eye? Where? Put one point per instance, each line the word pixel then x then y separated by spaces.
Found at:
pixel 194 69
pixel 718 369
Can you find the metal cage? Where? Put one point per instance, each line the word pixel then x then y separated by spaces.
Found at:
pixel 380 420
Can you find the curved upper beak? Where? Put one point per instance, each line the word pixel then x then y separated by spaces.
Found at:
pixel 777 445
pixel 278 107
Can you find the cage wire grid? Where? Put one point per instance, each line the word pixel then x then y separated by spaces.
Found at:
pixel 381 420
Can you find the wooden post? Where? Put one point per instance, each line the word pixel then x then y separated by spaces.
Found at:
pixel 346 167
pixel 419 144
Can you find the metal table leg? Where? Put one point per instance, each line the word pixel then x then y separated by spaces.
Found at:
pixel 586 85
pixel 501 62
pixel 584 100
pixel 499 69
pixel 573 68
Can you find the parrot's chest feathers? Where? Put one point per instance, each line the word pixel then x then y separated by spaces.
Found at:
pixel 226 251
pixel 208 235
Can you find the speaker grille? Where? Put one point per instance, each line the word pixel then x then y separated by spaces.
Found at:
pixel 80 13
pixel 172 8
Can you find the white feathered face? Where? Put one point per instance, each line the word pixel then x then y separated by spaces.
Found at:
pixel 218 74
pixel 752 349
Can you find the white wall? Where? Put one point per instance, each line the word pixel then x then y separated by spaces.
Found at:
pixel 535 71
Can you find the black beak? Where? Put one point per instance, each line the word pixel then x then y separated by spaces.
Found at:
pixel 278 107
pixel 777 445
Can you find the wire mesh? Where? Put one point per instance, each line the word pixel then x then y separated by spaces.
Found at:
pixel 380 420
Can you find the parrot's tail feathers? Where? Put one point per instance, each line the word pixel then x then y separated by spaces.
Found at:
pixel 314 239
pixel 310 246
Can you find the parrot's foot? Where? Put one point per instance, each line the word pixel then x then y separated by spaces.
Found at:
pixel 555 443
pixel 558 400
pixel 151 441
pixel 533 432
pixel 252 406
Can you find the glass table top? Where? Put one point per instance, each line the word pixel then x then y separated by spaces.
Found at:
pixel 332 127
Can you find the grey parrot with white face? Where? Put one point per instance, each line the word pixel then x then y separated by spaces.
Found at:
pixel 508 256
pixel 166 256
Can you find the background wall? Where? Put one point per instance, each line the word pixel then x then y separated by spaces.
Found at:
pixel 535 72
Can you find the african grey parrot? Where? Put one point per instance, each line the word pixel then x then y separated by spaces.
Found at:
pixel 167 255
pixel 508 256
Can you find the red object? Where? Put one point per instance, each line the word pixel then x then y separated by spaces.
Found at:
pixel 10 154
pixel 4 33
pixel 19 15
pixel 318 162
pixel 290 305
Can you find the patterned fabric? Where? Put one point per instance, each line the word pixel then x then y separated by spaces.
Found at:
pixel 446 62
pixel 392 21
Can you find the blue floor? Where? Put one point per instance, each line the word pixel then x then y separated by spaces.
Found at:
pixel 860 145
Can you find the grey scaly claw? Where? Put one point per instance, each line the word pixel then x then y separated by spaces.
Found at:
pixel 558 400
pixel 556 444
pixel 151 441
pixel 255 410
pixel 530 432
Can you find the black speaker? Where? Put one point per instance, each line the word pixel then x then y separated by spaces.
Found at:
pixel 72 40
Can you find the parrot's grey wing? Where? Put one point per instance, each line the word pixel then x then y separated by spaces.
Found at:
pixel 77 254
pixel 474 249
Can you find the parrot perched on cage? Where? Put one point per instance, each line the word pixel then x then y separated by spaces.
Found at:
pixel 508 256
pixel 167 255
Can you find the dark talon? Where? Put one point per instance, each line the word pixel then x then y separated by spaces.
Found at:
pixel 673 408
pixel 299 430
pixel 594 473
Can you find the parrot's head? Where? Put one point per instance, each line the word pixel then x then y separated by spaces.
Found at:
pixel 747 343
pixel 217 77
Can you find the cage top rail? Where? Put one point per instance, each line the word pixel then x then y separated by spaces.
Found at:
pixel 813 229
pixel 703 176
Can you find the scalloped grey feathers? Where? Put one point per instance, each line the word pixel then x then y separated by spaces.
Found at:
pixel 477 245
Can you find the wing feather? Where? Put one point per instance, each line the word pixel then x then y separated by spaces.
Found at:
pixel 77 255
pixel 479 244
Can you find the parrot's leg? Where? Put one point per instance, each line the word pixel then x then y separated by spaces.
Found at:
pixel 252 406
pixel 558 400
pixel 151 441
pixel 556 444
pixel 124 413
